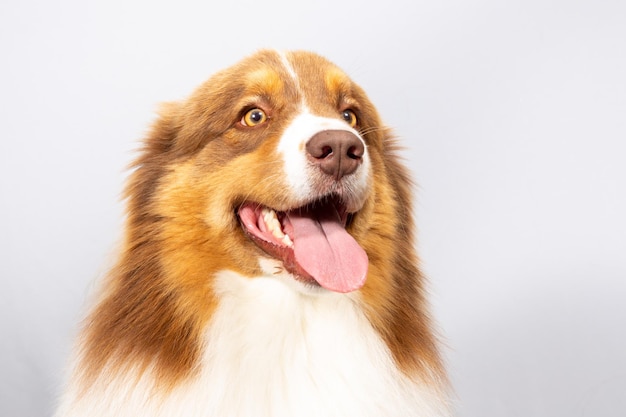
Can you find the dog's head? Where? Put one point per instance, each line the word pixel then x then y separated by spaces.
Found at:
pixel 279 157
pixel 276 167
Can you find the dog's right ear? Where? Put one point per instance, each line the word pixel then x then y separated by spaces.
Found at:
pixel 155 156
pixel 184 128
pixel 162 136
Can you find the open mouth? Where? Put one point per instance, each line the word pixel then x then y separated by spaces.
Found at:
pixel 311 241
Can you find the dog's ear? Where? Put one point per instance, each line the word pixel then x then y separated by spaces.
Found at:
pixel 162 136
pixel 180 130
pixel 155 156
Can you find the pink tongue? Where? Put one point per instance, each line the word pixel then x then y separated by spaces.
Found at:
pixel 324 249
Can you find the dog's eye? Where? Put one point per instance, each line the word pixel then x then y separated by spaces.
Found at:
pixel 254 117
pixel 350 117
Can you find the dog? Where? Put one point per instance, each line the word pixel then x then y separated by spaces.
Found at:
pixel 267 266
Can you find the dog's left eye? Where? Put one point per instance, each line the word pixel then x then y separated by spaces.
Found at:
pixel 350 117
pixel 254 117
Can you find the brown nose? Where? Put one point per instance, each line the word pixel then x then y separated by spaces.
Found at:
pixel 337 152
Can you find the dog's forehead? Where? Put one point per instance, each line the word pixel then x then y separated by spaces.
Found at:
pixel 317 78
pixel 309 79
pixel 264 79
pixel 307 68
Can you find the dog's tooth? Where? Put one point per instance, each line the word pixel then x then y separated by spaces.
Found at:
pixel 287 240
pixel 276 229
pixel 277 233
pixel 274 226
pixel 268 215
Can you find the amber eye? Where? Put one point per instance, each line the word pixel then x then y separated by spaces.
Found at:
pixel 254 117
pixel 350 117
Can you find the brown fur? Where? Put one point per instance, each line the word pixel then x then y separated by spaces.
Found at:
pixel 195 168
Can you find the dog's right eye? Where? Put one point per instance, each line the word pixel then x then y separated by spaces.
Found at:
pixel 254 117
pixel 350 117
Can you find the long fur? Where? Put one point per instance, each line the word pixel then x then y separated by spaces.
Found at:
pixel 196 320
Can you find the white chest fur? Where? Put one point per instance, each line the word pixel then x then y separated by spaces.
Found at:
pixel 273 351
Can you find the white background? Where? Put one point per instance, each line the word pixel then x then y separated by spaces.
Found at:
pixel 513 114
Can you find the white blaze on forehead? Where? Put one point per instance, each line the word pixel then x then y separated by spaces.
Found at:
pixel 292 147
pixel 289 68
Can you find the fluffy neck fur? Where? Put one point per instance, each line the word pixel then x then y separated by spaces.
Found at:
pixel 279 352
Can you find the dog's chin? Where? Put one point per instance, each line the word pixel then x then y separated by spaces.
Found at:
pixel 274 268
pixel 310 241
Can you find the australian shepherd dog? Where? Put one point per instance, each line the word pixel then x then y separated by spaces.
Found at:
pixel 267 266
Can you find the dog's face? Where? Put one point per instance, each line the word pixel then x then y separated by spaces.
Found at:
pixel 270 166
